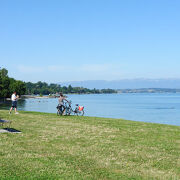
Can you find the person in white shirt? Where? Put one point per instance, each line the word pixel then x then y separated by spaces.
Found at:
pixel 14 99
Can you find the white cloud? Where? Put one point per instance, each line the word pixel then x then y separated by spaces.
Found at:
pixel 72 72
pixel 30 69
pixel 94 67
pixel 62 68
pixel 77 68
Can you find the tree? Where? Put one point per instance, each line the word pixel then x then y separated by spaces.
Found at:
pixel 9 85
pixel 45 89
pixel 3 72
pixel 70 89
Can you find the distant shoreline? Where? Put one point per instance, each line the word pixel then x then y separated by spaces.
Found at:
pixel 120 91
pixel 149 90
pixel 124 91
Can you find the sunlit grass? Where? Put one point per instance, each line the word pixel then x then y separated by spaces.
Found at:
pixel 52 147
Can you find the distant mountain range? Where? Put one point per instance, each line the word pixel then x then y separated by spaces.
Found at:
pixel 126 83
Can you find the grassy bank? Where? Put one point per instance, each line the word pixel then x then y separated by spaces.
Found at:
pixel 52 147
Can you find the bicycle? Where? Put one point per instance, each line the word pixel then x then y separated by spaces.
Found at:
pixel 79 110
pixel 60 109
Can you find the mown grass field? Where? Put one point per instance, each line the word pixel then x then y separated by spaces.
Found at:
pixel 52 147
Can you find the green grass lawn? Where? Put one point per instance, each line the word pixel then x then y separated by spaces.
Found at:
pixel 52 147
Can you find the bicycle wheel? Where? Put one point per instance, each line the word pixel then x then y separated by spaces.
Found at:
pixel 80 113
pixel 68 111
pixel 59 113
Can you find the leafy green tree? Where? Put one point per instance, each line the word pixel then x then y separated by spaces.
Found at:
pixel 70 89
pixel 3 72
pixel 45 89
pixel 9 85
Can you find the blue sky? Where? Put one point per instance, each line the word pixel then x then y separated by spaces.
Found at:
pixel 67 40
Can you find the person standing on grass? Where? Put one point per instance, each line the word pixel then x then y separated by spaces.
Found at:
pixel 14 99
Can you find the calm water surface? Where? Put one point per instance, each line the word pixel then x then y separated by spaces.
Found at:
pixel 156 108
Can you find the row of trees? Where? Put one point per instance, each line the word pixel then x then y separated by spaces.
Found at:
pixel 9 85
pixel 46 89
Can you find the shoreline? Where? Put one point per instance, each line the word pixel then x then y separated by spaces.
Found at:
pixel 98 117
pixel 54 96
pixel 144 108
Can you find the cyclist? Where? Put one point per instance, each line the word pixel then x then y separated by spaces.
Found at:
pixel 62 98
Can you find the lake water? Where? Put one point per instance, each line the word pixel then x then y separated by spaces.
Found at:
pixel 157 108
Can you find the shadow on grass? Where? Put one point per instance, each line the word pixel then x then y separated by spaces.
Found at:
pixel 9 130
